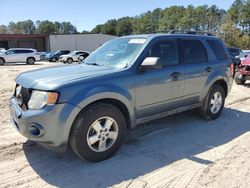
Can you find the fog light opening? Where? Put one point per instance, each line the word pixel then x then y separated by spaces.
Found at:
pixel 35 130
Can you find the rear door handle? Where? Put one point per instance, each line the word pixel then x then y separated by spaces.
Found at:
pixel 208 69
pixel 175 75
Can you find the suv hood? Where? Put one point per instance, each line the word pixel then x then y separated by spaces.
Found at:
pixel 54 77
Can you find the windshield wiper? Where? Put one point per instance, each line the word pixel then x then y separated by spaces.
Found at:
pixel 95 64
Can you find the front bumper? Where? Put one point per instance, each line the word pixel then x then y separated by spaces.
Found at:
pixel 53 122
pixel 63 60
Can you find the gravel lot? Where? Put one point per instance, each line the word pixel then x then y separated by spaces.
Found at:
pixel 178 151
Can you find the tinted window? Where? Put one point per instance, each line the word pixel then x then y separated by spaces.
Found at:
pixel 65 52
pixel 218 49
pixel 194 51
pixel 79 53
pixel 167 52
pixel 23 51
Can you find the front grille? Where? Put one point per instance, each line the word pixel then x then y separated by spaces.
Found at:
pixel 247 68
pixel 23 97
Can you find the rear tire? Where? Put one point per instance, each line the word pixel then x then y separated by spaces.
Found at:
pixel 98 132
pixel 213 104
pixel 30 61
pixel 2 61
pixel 239 79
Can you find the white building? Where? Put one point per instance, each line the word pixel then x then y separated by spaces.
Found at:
pixel 88 42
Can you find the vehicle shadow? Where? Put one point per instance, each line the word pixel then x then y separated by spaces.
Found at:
pixel 149 147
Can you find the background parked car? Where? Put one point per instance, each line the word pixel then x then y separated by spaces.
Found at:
pixel 2 50
pixel 242 71
pixel 243 55
pixel 43 55
pixel 234 51
pixel 12 55
pixel 74 56
pixel 53 57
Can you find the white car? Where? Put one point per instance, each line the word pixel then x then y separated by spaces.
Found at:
pixel 2 50
pixel 74 56
pixel 16 55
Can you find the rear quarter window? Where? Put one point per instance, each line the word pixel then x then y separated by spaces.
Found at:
pixel 218 49
pixel 194 51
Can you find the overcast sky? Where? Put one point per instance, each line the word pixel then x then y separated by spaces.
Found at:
pixel 86 14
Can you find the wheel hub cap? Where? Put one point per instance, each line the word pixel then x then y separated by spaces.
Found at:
pixel 216 103
pixel 102 134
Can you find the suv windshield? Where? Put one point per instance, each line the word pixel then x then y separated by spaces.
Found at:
pixel 117 53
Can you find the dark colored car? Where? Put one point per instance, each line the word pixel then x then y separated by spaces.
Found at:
pixel 43 55
pixel 53 57
pixel 125 82
pixel 242 71
pixel 234 51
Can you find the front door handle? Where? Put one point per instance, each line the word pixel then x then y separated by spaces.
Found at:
pixel 208 69
pixel 175 75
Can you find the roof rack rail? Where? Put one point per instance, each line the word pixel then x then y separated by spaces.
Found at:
pixel 190 32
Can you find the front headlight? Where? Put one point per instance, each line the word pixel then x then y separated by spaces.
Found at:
pixel 39 99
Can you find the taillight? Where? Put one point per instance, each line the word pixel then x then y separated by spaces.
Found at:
pixel 232 69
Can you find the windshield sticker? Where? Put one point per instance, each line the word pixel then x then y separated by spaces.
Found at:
pixel 137 41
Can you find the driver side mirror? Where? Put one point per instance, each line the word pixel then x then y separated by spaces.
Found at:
pixel 151 63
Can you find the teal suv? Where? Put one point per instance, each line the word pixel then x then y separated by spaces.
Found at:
pixel 125 82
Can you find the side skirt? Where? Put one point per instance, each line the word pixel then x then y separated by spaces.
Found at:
pixel 163 114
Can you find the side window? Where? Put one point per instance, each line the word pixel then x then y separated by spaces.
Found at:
pixel 29 51
pixel 85 55
pixel 9 52
pixel 218 49
pixel 167 51
pixel 79 53
pixel 194 51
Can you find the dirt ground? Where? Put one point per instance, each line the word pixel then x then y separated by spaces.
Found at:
pixel 178 151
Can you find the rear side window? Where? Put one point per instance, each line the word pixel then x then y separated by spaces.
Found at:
pixel 218 49
pixel 194 51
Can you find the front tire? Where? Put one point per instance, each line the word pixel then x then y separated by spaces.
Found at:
pixel 213 104
pixel 239 79
pixel 69 60
pixel 2 61
pixel 98 132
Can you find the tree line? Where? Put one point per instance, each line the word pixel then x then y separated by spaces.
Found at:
pixel 233 25
pixel 39 27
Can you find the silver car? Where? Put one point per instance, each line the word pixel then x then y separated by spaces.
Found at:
pixel 14 55
pixel 74 56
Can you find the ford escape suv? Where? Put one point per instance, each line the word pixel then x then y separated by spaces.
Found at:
pixel 126 82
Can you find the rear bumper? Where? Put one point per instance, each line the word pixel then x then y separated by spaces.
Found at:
pixel 50 125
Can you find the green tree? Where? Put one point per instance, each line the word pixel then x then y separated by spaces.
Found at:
pixel 26 27
pixel 46 27
pixel 97 29
pixel 68 28
pixel 171 18
pixel 124 26
pixel 109 27
pixel 3 29
pixel 13 29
